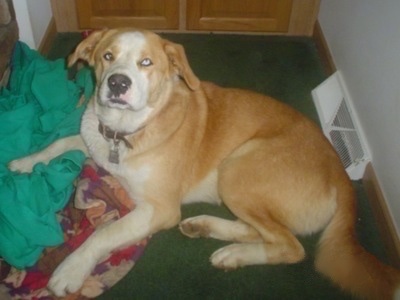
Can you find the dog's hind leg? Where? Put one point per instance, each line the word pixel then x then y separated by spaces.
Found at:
pixel 252 248
pixel 278 245
pixel 256 193
pixel 217 228
pixel 275 245
pixel 264 242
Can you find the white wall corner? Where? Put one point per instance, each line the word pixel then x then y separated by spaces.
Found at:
pixel 24 22
pixel 33 18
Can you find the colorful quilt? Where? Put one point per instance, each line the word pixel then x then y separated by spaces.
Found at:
pixel 98 199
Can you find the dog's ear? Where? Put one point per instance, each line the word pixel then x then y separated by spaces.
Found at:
pixel 180 65
pixel 85 48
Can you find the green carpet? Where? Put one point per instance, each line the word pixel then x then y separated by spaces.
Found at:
pixel 176 267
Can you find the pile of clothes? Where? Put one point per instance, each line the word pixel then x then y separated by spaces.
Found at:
pixel 47 213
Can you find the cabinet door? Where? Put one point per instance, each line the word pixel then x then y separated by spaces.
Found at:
pixel 150 14
pixel 239 15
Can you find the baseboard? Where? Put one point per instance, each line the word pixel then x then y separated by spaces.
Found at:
pixel 323 50
pixel 382 215
pixel 48 38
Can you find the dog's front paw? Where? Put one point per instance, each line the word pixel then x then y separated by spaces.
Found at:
pixel 70 275
pixel 23 165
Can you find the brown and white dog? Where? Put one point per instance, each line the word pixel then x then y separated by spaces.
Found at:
pixel 171 139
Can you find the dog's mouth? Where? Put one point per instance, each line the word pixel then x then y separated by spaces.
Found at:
pixel 113 102
pixel 117 101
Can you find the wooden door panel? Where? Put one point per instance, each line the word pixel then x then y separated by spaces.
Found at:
pixel 239 15
pixel 150 14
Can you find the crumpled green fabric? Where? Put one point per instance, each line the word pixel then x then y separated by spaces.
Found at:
pixel 38 106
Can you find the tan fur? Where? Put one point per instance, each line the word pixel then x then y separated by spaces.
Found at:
pixel 195 141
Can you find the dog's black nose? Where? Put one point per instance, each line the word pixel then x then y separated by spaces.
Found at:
pixel 119 84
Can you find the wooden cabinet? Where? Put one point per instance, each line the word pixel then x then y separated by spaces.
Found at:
pixel 284 17
pixel 151 14
pixel 239 15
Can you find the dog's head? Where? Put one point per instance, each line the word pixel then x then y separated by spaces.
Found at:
pixel 133 68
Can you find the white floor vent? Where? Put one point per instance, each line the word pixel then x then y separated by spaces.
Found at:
pixel 340 125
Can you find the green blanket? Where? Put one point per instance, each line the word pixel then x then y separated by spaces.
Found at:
pixel 38 106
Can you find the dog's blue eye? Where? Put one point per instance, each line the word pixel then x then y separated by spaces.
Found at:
pixel 146 62
pixel 108 56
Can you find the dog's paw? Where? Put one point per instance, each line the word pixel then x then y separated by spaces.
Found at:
pixel 69 275
pixel 23 165
pixel 194 227
pixel 226 258
pixel 239 255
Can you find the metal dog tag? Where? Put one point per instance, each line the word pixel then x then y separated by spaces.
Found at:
pixel 113 157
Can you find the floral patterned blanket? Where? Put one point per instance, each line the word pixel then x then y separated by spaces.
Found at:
pixel 99 199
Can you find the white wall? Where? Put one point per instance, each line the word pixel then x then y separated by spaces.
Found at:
pixel 33 17
pixel 364 38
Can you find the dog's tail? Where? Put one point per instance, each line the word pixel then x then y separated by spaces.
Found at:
pixel 346 262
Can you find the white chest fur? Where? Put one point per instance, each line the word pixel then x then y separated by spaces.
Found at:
pixel 132 177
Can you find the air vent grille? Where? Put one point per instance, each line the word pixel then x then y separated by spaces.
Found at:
pixel 340 125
